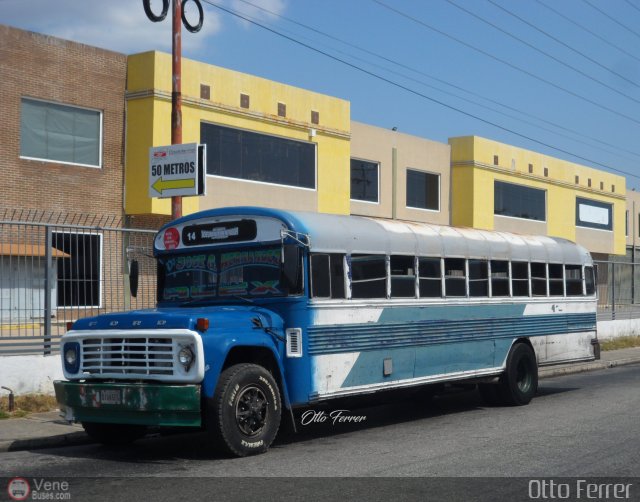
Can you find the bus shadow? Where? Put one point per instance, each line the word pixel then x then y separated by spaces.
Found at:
pixel 339 417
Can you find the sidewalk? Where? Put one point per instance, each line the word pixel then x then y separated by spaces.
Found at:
pixel 49 430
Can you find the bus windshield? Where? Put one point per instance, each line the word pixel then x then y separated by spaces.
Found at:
pixel 246 272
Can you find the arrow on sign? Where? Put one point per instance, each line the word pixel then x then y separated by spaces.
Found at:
pixel 161 184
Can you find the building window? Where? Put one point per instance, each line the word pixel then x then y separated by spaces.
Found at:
pixel 577 180
pixel 423 190
pixel 60 133
pixel 530 168
pixel 364 180
pixel 519 201
pixel 282 110
pixel 593 214
pixel 235 153
pixel 79 275
pixel 546 172
pixel 244 101
pixel 495 160
pixel 315 117
pixel 626 224
pixel 205 91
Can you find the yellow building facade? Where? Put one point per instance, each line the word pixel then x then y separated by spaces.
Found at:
pixel 246 109
pixel 495 186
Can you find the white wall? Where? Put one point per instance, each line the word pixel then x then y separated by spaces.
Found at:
pixel 30 374
pixel 615 329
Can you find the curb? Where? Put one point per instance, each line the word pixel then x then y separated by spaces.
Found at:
pixel 581 368
pixel 71 439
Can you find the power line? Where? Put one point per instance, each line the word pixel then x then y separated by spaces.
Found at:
pixel 504 62
pixel 612 18
pixel 413 91
pixel 631 4
pixel 555 39
pixel 591 32
pixel 437 79
pixel 544 53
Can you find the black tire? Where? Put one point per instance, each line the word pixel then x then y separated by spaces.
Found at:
pixel 246 410
pixel 114 434
pixel 490 393
pixel 146 4
pixel 190 27
pixel 519 383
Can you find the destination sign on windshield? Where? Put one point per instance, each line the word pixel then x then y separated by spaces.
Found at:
pixel 217 233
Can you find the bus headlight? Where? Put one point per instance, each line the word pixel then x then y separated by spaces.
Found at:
pixel 71 355
pixel 186 357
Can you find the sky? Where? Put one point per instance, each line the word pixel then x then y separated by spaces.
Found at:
pixel 557 77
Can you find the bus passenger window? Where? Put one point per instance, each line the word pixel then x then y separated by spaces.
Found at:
pixel 320 276
pixel 520 278
pixel 430 278
pixel 478 278
pixel 327 276
pixel 337 276
pixel 454 277
pixel 539 279
pixel 403 277
pixel 573 278
pixel 590 280
pixel 556 280
pixel 499 278
pixel 368 276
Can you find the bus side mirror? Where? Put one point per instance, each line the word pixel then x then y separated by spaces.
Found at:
pixel 134 274
pixel 291 276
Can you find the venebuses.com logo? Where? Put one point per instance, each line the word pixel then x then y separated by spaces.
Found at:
pixel 38 489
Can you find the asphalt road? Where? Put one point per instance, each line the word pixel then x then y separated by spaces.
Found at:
pixel 585 425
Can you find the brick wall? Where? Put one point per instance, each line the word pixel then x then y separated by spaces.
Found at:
pixel 51 69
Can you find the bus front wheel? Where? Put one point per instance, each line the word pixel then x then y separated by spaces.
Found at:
pixel 246 410
pixel 519 383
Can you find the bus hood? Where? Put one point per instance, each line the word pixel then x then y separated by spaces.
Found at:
pixel 181 318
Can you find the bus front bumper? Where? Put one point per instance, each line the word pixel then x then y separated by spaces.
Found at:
pixel 130 403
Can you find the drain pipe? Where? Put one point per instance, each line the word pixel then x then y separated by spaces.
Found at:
pixel 12 402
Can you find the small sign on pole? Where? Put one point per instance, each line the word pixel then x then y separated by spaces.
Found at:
pixel 177 170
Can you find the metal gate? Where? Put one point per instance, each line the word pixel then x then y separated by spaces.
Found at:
pixel 53 272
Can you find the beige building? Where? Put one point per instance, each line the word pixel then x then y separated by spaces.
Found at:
pixel 396 175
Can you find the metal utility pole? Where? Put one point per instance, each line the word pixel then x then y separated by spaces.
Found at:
pixel 176 93
pixel 178 18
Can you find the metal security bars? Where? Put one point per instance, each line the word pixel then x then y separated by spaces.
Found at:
pixel 53 272
pixel 618 290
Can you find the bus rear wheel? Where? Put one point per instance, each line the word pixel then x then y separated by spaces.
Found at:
pixel 246 410
pixel 519 383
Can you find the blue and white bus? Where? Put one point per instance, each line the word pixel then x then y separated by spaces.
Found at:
pixel 261 311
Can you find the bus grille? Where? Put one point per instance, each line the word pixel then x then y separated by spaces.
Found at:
pixel 134 357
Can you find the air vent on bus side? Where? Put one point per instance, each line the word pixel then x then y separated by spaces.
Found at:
pixel 294 342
